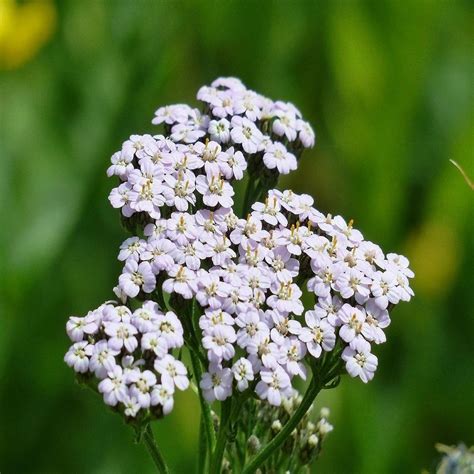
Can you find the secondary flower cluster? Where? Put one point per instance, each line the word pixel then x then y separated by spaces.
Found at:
pixel 204 153
pixel 130 355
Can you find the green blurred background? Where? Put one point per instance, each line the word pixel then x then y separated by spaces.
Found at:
pixel 388 87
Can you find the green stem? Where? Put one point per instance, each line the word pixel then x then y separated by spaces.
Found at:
pixel 205 408
pixel 248 196
pixel 150 443
pixel 202 455
pixel 311 392
pixel 222 437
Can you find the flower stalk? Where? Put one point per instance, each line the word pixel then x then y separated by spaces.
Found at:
pixel 155 453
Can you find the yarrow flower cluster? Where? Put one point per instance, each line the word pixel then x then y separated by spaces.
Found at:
pixel 203 153
pixel 130 353
pixel 247 274
pixel 231 286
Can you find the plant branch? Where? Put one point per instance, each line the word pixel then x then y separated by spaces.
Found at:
pixel 205 407
pixel 222 437
pixel 150 443
pixel 311 392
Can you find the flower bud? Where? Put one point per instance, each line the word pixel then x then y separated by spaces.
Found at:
pixel 276 426
pixel 324 427
pixel 324 413
pixel 313 441
pixel 253 445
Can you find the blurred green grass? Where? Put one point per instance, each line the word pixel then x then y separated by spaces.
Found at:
pixel 388 88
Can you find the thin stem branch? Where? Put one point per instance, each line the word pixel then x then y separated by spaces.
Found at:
pixel 205 408
pixel 218 454
pixel 311 392
pixel 248 196
pixel 202 455
pixel 150 443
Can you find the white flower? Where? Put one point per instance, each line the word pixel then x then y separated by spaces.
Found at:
pixel 152 341
pixel 251 328
pixel 262 351
pixel 180 191
pixel 245 133
pixel 191 255
pixel 76 327
pixel 211 290
pixel 136 277
pixel 353 282
pixel 384 288
pixel 131 406
pixel 325 277
pixel 235 164
pixel 103 359
pixel 306 133
pixel 398 264
pixel 292 354
pixel 274 384
pixel 243 373
pixel 249 104
pixel 353 235
pixel 142 384
pixel 285 124
pixel 145 317
pixel 181 228
pixel 121 163
pixel 352 320
pixel 114 387
pixel 359 361
pixel 318 335
pixel 215 191
pixel 169 327
pixel 131 248
pixel 172 114
pixel 182 281
pixel 286 298
pixel 78 355
pixel 163 395
pixel 375 322
pixel 219 130
pixel 328 308
pixel 277 156
pixel 121 198
pixel 187 133
pixel 217 383
pixel 161 253
pixel 218 340
pixel 173 372
pixel 269 212
pixel 213 318
pixel 121 335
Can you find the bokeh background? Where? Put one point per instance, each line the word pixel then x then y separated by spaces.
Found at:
pixel 388 87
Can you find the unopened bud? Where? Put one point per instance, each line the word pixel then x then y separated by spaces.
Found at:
pixel 313 441
pixel 310 426
pixel 215 420
pixel 276 426
pixel 253 444
pixel 324 427
pixel 324 413
pixel 226 467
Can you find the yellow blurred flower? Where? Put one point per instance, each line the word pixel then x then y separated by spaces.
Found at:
pixel 435 253
pixel 24 29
